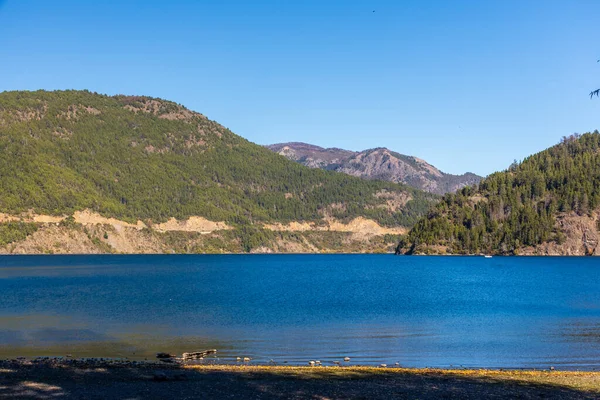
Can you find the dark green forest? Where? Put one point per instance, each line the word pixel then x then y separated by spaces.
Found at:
pixel 133 157
pixel 517 207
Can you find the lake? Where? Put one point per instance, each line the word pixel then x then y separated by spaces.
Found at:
pixel 503 312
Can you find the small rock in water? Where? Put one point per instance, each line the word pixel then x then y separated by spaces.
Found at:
pixel 164 355
pixel 336 362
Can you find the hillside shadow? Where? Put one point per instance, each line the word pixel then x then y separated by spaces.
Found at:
pixel 110 382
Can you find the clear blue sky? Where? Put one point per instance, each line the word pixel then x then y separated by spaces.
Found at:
pixel 466 85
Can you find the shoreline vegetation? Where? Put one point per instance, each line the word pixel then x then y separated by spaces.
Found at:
pixel 104 378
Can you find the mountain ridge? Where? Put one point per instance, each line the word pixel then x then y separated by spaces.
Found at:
pixel 378 163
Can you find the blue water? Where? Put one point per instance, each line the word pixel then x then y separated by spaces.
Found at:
pixel 504 312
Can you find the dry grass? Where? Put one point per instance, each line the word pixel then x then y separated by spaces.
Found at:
pixel 577 380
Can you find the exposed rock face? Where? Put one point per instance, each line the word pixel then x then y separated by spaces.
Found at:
pixel 87 232
pixel 581 237
pixel 379 163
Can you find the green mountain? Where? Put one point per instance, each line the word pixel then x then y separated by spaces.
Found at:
pixel 547 204
pixel 141 158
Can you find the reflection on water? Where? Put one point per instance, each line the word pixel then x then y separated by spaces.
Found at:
pixel 581 332
pixel 40 335
pixel 418 311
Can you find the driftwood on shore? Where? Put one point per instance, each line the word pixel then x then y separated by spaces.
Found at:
pixel 197 355
pixel 194 355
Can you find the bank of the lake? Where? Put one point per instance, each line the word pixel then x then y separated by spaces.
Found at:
pixel 24 379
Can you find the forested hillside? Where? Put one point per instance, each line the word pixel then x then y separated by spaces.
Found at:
pixel 545 201
pixel 141 158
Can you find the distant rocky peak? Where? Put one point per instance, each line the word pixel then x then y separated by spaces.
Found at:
pixel 378 163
